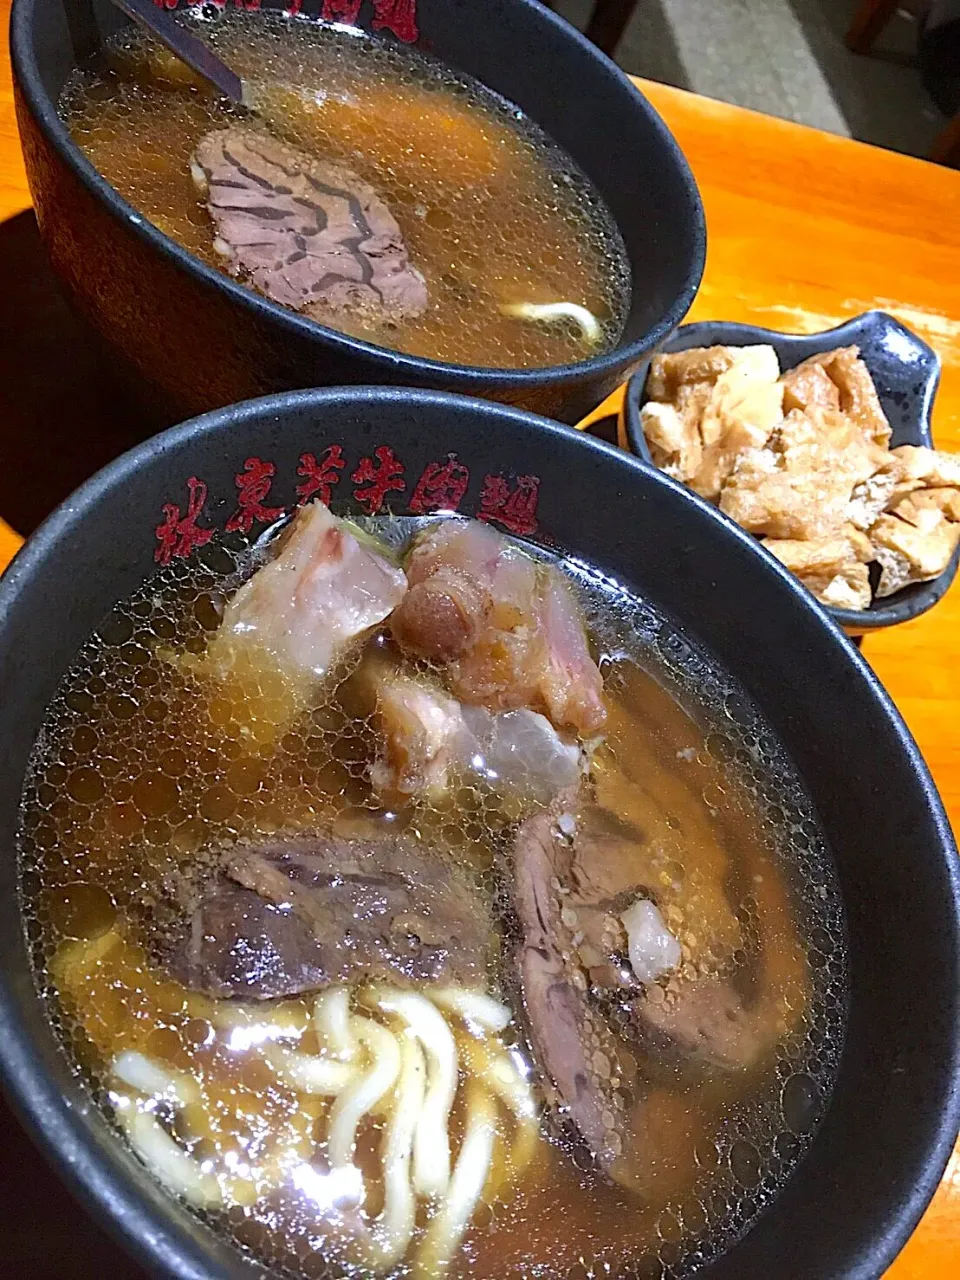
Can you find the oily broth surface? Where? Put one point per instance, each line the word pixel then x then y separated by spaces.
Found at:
pixel 136 770
pixel 492 211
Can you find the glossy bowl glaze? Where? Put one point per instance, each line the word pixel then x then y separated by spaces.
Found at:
pixel 906 372
pixel 893 1117
pixel 204 340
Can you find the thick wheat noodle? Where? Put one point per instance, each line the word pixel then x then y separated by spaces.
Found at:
pixel 363 1094
pixel 393 1229
pixel 476 1008
pixel 466 1187
pixel 501 1075
pixel 547 312
pixel 431 1147
pixel 331 1017
pixel 148 1076
pixel 174 1168
pixel 310 1073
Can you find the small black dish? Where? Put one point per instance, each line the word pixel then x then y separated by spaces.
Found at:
pixel 201 339
pixel 906 372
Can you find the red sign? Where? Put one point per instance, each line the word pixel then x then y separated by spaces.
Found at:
pixel 320 477
pixel 180 535
pixel 377 478
pixel 514 506
pixel 254 483
pixel 396 16
pixel 442 486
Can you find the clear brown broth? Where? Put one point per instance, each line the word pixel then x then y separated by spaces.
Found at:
pixel 491 209
pixel 138 769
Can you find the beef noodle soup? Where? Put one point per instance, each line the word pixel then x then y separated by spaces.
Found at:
pixel 373 189
pixel 417 904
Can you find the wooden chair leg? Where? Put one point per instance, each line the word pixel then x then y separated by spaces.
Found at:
pixel 946 148
pixel 608 23
pixel 869 20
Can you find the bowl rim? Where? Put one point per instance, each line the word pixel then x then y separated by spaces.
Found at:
pixel 890 611
pixel 97 1176
pixel 27 78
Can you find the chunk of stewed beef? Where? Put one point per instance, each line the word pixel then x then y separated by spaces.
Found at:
pixel 299 914
pixel 598 983
pixel 308 234
pixel 573 1046
pixel 706 1020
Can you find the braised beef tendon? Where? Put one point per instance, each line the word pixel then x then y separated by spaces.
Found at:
pixel 507 629
pixel 430 742
pixel 323 587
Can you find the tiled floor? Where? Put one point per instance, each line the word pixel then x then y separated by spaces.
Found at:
pixel 785 57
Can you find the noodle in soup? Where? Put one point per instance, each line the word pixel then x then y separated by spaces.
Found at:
pixel 373 189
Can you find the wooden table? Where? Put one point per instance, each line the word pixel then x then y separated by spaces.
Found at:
pixel 806 230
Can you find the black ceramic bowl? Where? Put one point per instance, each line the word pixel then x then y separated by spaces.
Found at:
pixel 205 340
pixel 906 373
pixel 893 1118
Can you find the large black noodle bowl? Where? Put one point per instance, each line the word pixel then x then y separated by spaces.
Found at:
pixel 203 340
pixel 893 1118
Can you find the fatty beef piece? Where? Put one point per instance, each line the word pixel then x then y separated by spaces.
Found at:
pixel 429 741
pixel 323 585
pixel 505 710
pixel 513 687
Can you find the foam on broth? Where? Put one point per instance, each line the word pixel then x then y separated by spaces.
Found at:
pixel 137 770
pixel 491 209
